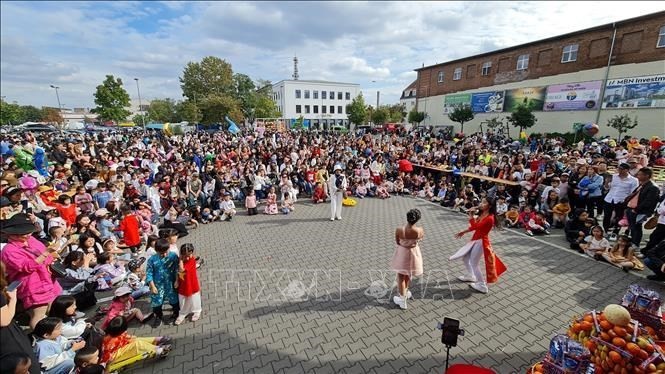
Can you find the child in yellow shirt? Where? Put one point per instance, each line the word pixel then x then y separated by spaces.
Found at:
pixel 560 213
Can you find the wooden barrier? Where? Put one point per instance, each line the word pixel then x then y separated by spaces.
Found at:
pixel 470 175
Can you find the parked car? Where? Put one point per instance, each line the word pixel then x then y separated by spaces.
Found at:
pixel 339 128
pixel 34 127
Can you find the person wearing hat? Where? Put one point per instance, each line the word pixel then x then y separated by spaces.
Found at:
pixel 28 260
pixel 640 156
pixel 621 186
pixel 337 186
pixel 634 166
pixel 123 305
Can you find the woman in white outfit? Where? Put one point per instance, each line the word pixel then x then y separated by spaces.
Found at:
pixel 337 184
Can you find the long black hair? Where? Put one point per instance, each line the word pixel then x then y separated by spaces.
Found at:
pixel 60 305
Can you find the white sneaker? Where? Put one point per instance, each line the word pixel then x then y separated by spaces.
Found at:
pixel 482 288
pixel 179 320
pixel 409 295
pixel 332 219
pixel 400 301
pixel 466 278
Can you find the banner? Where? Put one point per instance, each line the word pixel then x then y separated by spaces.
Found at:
pixel 573 96
pixel 487 102
pixel 451 101
pixel 635 92
pixel 533 97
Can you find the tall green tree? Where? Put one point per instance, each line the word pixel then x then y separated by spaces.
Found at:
pixel 416 116
pixel 397 112
pixel 216 108
pixel 522 117
pixel 357 110
pixel 51 115
pixel 187 111
pixel 211 76
pixel 31 113
pixel 112 100
pixel 245 93
pixel 461 114
pixel 163 111
pixel 622 123
pixel 265 107
pixel 141 119
pixel 10 114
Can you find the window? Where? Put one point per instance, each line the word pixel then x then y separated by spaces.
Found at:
pixel 457 74
pixel 323 108
pixel 487 68
pixel 306 108
pixel 661 38
pixel 316 108
pixel 339 109
pixel 348 95
pixel 306 94
pixel 440 77
pixel 332 109
pixel 332 95
pixel 523 62
pixel 339 95
pixel 569 53
pixel 297 94
pixel 298 109
pixel 324 95
pixel 316 95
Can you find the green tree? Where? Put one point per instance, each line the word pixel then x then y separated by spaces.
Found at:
pixel 31 113
pixel 622 123
pixel 416 116
pixel 522 117
pixel 265 107
pixel 245 93
pixel 10 114
pixel 299 123
pixel 461 114
pixel 187 111
pixel 211 76
pixel 163 111
pixel 493 123
pixel 380 115
pixel 357 110
pixel 215 108
pixel 111 100
pixel 141 119
pixel 397 112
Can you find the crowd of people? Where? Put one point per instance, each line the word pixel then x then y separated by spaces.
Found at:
pixel 103 211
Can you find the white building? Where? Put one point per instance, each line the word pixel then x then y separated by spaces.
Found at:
pixel 322 104
pixel 408 98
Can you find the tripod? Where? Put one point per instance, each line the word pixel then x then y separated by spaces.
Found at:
pixel 447 355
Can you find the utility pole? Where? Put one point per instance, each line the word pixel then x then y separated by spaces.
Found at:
pixel 138 90
pixel 57 96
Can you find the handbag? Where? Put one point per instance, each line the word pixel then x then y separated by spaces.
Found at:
pixel 651 223
pixel 58 269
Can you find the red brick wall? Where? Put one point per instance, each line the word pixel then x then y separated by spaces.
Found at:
pixel 635 43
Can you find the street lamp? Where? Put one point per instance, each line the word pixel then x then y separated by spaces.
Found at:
pixel 57 95
pixel 378 94
pixel 140 106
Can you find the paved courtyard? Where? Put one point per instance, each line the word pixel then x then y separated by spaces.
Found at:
pixel 298 293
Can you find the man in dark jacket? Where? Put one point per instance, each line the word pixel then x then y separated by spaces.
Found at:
pixel 641 204
pixel 655 260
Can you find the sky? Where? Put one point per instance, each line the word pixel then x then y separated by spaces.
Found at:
pixel 73 45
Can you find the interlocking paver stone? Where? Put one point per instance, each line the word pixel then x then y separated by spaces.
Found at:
pixel 299 293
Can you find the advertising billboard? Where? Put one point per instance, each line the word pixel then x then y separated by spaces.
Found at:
pixel 533 97
pixel 573 96
pixel 635 92
pixel 487 102
pixel 451 101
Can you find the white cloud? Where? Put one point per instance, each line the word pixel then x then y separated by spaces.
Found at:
pixel 76 44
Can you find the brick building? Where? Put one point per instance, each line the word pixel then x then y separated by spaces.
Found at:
pixel 572 67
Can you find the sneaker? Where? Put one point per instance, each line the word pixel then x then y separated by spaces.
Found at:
pixel 479 287
pixel 179 320
pixel 401 302
pixel 547 232
pixel 332 219
pixel 409 295
pixel 466 278
pixel 156 323
pixel 163 350
pixel 528 232
pixel 612 237
pixel 196 316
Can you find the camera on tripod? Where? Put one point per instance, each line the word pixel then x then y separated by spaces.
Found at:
pixel 450 331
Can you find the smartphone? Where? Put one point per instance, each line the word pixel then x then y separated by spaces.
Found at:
pixel 13 285
pixel 28 211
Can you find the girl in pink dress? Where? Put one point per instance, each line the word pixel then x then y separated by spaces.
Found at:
pixel 271 203
pixel 407 260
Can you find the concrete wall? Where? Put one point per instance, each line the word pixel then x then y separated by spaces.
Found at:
pixel 652 121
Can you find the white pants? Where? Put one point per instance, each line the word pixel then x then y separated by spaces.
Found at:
pixel 190 304
pixel 472 262
pixel 336 205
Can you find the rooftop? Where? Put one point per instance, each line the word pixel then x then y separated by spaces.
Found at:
pixel 574 33
pixel 315 82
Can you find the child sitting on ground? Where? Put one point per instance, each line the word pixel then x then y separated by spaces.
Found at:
pixel 623 255
pixel 111 272
pixel 227 207
pixel 319 195
pixel 427 191
pixel 54 351
pixel 513 216
pixel 287 204
pixel 361 190
pixel 501 210
pixel 136 278
pixel 595 244
pixel 123 305
pixel 382 191
pixel 560 213
pixel 86 361
pixel 119 346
